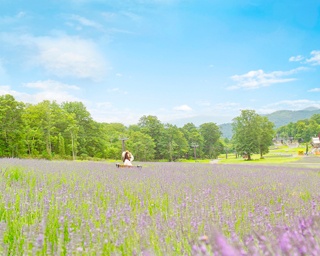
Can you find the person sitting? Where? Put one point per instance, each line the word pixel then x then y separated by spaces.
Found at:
pixel 127 158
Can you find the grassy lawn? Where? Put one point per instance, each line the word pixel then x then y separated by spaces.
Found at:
pixel 276 155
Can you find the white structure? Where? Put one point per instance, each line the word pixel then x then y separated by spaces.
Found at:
pixel 315 142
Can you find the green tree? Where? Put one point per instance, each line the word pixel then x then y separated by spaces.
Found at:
pixel 194 138
pixel 40 123
pixel 316 118
pixel 73 131
pixel 62 148
pixel 251 133
pixel 266 135
pixel 141 145
pixel 111 133
pixel 173 144
pixel 87 131
pixel 152 126
pixel 227 146
pixel 211 134
pixel 11 126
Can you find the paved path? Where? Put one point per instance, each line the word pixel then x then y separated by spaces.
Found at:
pixel 309 159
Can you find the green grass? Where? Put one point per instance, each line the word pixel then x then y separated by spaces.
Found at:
pixel 277 155
pixel 275 160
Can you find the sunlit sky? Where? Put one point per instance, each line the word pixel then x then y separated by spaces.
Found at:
pixel 174 59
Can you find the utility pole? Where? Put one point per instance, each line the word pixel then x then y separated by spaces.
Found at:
pixel 194 146
pixel 123 139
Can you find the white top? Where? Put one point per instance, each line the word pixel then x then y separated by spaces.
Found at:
pixel 127 162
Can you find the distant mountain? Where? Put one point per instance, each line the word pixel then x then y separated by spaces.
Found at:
pixel 199 120
pixel 284 117
pixel 279 118
pixel 226 130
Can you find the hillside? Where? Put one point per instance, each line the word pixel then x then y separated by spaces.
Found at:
pixel 283 117
pixel 279 118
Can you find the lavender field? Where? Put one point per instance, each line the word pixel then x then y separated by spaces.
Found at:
pixel 93 208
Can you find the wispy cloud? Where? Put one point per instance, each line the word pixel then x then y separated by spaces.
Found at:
pixel 12 19
pixel 226 106
pixel 314 90
pixel 69 57
pixel 107 112
pixel 258 78
pixel 82 21
pixel 204 103
pixel 50 85
pixel 292 105
pixel 45 90
pixel 117 90
pixel 182 108
pixel 61 55
pixel 296 58
pixel 6 89
pixel 315 59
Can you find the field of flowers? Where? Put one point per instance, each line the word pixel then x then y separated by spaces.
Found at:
pixel 93 208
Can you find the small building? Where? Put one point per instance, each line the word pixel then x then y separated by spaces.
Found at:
pixel 315 142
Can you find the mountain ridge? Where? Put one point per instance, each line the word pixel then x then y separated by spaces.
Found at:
pixel 279 118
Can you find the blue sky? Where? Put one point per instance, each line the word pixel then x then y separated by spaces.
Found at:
pixel 175 59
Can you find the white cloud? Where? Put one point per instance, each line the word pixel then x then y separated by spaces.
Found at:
pixel 314 90
pixel 51 85
pixel 315 59
pixel 62 55
pixel 258 78
pixel 6 89
pixel 106 112
pixel 117 90
pixel 12 19
pixel 226 106
pixel 182 108
pixel 296 58
pixel 70 57
pixel 204 103
pixel 58 96
pixel 47 90
pixel 85 22
pixel 293 105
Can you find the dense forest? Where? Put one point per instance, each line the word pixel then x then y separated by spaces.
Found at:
pixel 302 130
pixel 67 131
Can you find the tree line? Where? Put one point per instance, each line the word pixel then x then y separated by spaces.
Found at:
pixel 302 130
pixel 67 131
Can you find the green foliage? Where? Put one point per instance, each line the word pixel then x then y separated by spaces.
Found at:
pixel 301 130
pixel 11 127
pixel 252 133
pixel 211 134
pixel 13 174
pixel 67 131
